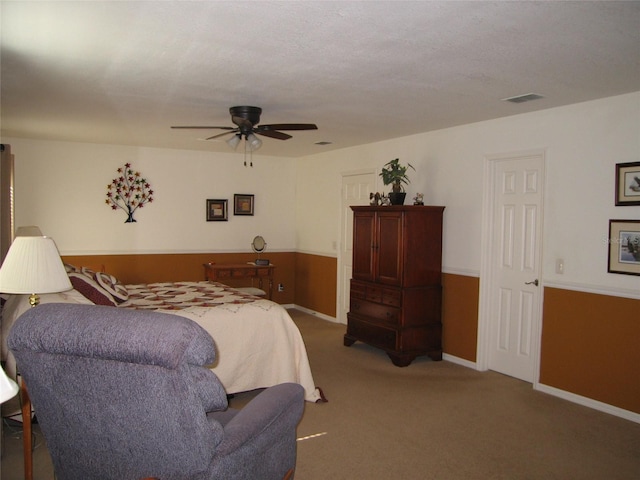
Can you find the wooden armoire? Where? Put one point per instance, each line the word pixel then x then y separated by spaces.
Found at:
pixel 396 288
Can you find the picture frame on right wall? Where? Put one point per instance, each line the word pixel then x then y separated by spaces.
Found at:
pixel 624 247
pixel 627 184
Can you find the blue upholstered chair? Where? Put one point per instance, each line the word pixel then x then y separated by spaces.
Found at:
pixel 124 394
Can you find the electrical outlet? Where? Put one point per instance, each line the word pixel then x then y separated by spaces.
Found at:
pixel 559 266
pixel 280 287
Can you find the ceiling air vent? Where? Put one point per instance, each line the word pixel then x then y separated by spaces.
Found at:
pixel 523 98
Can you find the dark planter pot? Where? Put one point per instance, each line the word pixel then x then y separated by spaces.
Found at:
pixel 397 198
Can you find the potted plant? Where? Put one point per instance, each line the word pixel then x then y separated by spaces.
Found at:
pixel 395 174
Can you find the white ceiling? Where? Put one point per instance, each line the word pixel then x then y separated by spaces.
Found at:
pixel 363 71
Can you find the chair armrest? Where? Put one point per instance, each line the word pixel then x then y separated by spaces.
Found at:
pixel 276 409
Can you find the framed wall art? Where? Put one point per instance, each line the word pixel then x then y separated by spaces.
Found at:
pixel 242 204
pixel 627 184
pixel 216 210
pixel 624 247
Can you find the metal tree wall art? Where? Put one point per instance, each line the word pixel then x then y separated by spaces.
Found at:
pixel 129 192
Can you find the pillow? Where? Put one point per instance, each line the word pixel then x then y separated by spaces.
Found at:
pixel 108 283
pixel 87 271
pixel 112 285
pixel 71 268
pixel 90 289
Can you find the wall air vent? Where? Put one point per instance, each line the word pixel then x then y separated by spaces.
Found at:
pixel 523 98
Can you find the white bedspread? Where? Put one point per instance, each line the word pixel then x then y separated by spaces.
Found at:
pixel 258 344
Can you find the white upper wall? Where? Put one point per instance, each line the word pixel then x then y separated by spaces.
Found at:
pixel 62 187
pixel 583 142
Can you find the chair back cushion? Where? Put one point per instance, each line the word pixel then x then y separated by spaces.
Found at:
pixel 120 393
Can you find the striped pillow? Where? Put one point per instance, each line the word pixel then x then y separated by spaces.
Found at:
pixel 112 285
pixel 90 289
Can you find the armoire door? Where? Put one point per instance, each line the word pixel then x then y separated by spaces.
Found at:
pixel 388 248
pixel 363 246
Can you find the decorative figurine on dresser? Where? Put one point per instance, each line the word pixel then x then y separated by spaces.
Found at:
pixel 396 289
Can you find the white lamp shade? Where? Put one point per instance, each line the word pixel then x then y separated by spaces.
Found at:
pixel 8 387
pixel 254 142
pixel 33 265
pixel 234 141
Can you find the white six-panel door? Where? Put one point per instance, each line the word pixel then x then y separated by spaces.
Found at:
pixel 514 291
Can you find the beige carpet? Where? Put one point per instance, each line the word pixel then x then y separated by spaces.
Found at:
pixel 431 420
pixel 438 420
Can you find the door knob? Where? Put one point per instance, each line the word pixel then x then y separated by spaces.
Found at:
pixel 535 282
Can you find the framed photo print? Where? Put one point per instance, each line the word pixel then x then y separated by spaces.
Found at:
pixel 627 184
pixel 624 247
pixel 216 210
pixel 242 204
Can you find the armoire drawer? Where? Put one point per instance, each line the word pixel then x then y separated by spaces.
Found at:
pixel 375 312
pixel 358 289
pixel 392 296
pixel 375 335
pixel 376 293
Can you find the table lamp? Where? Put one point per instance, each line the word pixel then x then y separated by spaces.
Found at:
pixel 32 266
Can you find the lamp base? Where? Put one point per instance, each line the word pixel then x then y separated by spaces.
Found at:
pixel 34 299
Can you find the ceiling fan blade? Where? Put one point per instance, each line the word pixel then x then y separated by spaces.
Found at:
pixel 235 130
pixel 272 134
pixel 203 127
pixel 290 126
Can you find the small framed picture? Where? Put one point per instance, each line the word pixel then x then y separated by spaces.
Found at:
pixel 216 210
pixel 624 247
pixel 627 184
pixel 242 204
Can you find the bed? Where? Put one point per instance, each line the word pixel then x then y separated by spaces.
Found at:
pixel 258 344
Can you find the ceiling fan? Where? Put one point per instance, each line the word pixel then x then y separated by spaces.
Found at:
pixel 247 119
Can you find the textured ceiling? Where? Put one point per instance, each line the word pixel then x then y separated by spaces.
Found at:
pixel 124 72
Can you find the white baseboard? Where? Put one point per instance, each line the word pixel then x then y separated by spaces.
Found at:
pixel 589 402
pixel 556 392
pixel 312 312
pixel 459 361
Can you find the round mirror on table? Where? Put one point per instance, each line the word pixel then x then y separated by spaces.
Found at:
pixel 258 244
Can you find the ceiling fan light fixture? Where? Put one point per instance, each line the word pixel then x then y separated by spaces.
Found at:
pixel 254 142
pixel 234 141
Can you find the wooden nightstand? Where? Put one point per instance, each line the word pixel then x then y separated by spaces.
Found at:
pixel 222 272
